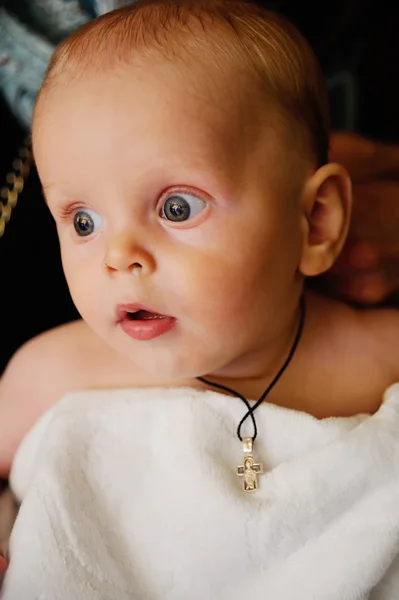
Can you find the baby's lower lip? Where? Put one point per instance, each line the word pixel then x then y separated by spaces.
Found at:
pixel 147 328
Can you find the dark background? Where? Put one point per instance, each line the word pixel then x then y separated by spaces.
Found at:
pixel 357 37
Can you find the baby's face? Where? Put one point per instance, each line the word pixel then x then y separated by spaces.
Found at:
pixel 143 169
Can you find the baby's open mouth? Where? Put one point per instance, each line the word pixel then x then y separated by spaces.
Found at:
pixel 144 315
pixel 142 323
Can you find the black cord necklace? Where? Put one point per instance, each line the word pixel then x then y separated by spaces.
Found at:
pixel 250 468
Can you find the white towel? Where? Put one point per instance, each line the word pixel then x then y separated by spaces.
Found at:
pixel 133 494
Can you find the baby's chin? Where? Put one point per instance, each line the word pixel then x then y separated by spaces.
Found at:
pixel 176 357
pixel 169 366
pixel 150 362
pixel 162 371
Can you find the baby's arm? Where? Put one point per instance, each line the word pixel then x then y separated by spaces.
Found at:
pixel 21 402
pixel 38 375
pixel 23 397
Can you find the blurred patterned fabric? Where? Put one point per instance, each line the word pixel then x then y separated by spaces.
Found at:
pixel 29 32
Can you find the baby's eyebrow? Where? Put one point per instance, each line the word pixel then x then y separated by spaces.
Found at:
pixel 45 189
pixel 48 186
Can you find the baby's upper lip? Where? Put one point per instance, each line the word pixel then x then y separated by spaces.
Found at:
pixel 127 307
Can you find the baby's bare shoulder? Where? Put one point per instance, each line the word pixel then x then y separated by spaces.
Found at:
pixel 50 359
pixel 68 358
pixel 367 336
pixel 381 326
pixel 367 342
pixel 63 360
pixel 355 351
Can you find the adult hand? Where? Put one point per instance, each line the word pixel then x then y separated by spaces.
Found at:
pixel 367 272
pixel 3 564
pixel 8 513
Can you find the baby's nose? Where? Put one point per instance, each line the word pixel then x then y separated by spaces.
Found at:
pixel 126 254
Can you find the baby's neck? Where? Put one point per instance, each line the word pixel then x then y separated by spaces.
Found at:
pixel 264 368
pixel 334 372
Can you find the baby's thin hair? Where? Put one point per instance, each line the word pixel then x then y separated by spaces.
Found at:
pixel 233 32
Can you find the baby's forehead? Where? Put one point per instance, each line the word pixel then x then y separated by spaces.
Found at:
pixel 170 109
pixel 190 93
pixel 211 44
pixel 229 57
pixel 205 71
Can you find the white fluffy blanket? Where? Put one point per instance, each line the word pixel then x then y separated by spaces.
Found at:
pixel 134 494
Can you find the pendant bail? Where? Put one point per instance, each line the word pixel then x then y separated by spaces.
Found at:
pixel 247 444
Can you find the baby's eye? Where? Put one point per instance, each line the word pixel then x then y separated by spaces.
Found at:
pixel 181 207
pixel 86 222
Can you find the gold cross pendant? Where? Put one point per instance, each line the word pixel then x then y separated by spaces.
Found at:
pixel 250 469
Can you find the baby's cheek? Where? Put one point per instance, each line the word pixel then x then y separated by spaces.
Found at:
pixel 85 292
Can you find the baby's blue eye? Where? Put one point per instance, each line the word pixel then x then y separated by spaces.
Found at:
pixel 181 207
pixel 86 222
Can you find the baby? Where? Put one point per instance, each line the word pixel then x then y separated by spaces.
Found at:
pixel 182 147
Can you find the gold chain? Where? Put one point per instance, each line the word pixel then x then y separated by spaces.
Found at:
pixel 15 181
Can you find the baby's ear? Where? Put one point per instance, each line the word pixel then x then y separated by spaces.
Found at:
pixel 326 205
